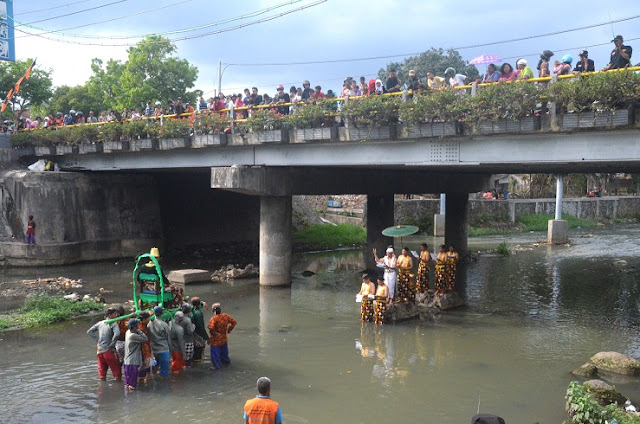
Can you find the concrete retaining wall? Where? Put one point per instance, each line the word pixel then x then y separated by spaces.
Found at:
pixel 411 211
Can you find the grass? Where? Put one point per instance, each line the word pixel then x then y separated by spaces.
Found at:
pixel 42 309
pixel 503 249
pixel 539 222
pixel 330 236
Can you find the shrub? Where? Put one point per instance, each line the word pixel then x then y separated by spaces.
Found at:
pixel 503 101
pixel 175 128
pixel 263 119
pixel 135 130
pixel 582 408
pixel 374 111
pixel 605 91
pixel 441 105
pixel 310 116
pixel 111 132
pixel 211 123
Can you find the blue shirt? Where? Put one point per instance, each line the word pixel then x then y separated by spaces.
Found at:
pixel 278 414
pixel 495 76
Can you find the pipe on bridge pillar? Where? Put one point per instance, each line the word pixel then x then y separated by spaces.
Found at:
pixel 559 195
pixel 558 229
pixel 380 215
pixel 455 222
pixel 275 240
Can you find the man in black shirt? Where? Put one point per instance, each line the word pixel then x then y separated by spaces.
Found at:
pixel 620 55
pixel 413 83
pixel 306 90
pixel 393 83
pixel 256 99
pixel 584 64
pixel 179 107
pixel 282 98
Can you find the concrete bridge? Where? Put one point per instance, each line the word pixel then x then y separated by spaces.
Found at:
pixel 379 167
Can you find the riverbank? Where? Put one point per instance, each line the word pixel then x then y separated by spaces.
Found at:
pixel 43 309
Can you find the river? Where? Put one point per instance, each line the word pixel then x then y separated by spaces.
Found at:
pixel 531 318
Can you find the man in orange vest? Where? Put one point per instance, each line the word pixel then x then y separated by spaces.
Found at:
pixel 262 409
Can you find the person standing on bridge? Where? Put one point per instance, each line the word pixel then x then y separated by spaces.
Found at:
pixel 620 55
pixel 261 409
pixel 390 264
pixel 219 326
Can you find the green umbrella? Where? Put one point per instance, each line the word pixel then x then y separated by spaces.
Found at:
pixel 400 231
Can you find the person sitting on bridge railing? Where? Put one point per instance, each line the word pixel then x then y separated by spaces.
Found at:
pixel 620 55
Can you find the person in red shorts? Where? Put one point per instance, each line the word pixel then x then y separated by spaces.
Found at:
pixel 106 336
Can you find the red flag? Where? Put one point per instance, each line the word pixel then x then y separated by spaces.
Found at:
pixel 9 95
pixel 16 89
pixel 27 74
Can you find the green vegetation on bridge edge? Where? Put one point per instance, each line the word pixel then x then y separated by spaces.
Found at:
pixel 332 236
pixel 42 309
pixel 536 222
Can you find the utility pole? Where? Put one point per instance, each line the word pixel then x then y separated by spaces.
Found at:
pixel 219 77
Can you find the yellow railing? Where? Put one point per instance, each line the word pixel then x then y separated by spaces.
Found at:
pixel 339 99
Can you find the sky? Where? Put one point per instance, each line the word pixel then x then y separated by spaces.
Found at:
pixel 329 31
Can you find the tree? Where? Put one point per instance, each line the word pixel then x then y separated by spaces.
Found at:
pixel 79 98
pixel 434 60
pixel 33 92
pixel 150 73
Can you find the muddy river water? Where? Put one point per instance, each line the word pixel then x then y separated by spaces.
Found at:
pixel 530 319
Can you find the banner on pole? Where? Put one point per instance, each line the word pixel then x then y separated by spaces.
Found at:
pixel 7 39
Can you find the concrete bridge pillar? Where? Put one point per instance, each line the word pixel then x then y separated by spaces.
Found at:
pixel 455 231
pixel 380 214
pixel 438 219
pixel 275 240
pixel 558 229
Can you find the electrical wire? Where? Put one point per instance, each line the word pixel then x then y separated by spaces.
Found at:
pixel 201 35
pixel 72 13
pixel 124 37
pixel 52 7
pixel 316 62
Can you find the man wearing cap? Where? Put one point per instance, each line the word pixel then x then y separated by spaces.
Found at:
pixel 620 55
pixel 524 71
pixel 306 91
pixel 133 353
pixel 106 338
pixel 413 83
pixel 262 409
pixel 219 326
pixel 584 64
pixel 158 332
pixel 390 265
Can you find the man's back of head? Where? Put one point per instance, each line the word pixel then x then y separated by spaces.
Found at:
pixel 264 386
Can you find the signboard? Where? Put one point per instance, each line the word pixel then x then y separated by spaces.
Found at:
pixel 7 40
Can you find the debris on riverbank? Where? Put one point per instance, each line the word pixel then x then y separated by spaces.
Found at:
pixel 39 285
pixel 231 272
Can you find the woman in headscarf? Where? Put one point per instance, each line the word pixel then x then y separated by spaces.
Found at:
pixel 379 87
pixel 372 87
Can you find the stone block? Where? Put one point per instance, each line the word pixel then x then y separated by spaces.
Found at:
pixel 558 231
pixel 186 276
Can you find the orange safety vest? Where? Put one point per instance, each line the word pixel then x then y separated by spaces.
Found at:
pixel 261 410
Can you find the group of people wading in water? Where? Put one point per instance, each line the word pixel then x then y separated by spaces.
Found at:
pixel 398 275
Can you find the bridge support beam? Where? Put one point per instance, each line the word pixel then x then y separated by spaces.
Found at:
pixel 380 214
pixel 438 219
pixel 275 240
pixel 558 229
pixel 455 231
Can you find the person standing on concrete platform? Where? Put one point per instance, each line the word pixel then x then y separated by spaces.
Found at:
pixel 31 232
pixel 107 335
pixel 176 343
pixel 158 332
pixel 219 326
pixel 422 278
pixel 390 265
pixel 382 296
pixel 441 261
pixel 133 353
pixel 200 333
pixel 450 268
pixel 366 289
pixel 405 265
pixel 261 409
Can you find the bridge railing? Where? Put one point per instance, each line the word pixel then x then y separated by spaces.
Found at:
pixel 234 120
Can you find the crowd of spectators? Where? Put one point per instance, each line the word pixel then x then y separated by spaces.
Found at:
pixel 240 105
